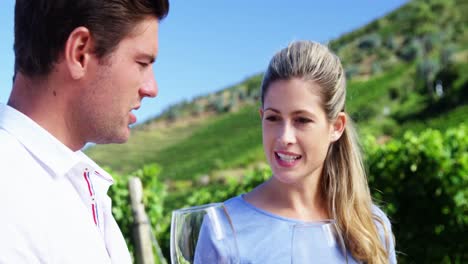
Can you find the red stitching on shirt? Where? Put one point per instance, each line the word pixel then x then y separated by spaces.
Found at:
pixel 94 215
pixel 93 206
pixel 87 182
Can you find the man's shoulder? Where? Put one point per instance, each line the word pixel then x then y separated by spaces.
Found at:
pixel 18 167
pixel 12 151
pixel 8 139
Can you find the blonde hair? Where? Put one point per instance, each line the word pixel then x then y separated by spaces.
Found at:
pixel 343 182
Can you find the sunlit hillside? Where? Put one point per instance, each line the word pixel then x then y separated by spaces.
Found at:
pixel 407 92
pixel 406 70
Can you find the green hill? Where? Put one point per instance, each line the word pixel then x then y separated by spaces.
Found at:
pixel 406 70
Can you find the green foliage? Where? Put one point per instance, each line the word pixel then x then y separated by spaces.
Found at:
pixel 451 84
pixel 423 182
pixel 216 193
pixel 217 103
pixel 446 54
pixel 173 113
pixel 145 143
pixel 376 68
pixel 420 179
pixel 441 122
pixel 197 109
pixel 154 194
pixel 411 51
pixel 413 104
pixel 364 97
pixel 351 71
pixel 426 70
pixel 430 41
pixel 422 20
pixel 369 42
pixel 220 142
pixel 390 42
pixel 232 188
pixel 253 87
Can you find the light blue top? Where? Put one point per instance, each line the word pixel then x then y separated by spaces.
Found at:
pixel 263 237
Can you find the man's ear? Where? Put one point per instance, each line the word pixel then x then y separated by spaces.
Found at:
pixel 78 51
pixel 338 126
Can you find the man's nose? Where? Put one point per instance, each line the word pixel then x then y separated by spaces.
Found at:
pixel 150 87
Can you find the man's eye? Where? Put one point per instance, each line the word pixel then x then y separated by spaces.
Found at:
pixel 143 64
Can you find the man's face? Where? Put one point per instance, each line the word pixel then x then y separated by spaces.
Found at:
pixel 117 85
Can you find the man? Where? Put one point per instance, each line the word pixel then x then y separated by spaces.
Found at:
pixel 81 68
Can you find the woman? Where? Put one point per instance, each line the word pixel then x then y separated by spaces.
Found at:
pixel 318 174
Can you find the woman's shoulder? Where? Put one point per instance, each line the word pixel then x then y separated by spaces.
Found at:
pixel 377 212
pixel 234 202
pixel 236 205
pixel 381 221
pixel 384 227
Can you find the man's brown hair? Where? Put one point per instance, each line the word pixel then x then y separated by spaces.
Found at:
pixel 42 27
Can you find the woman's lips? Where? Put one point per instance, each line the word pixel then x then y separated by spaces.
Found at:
pixel 287 159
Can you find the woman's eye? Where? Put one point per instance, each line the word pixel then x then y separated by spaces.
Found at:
pixel 303 120
pixel 271 118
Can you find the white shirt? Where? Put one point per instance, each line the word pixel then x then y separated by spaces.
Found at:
pixel 54 206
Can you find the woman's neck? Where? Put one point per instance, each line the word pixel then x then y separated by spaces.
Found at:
pixel 297 201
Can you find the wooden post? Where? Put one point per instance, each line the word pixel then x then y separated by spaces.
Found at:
pixel 141 227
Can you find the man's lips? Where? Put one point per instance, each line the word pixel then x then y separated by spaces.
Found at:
pixel 132 117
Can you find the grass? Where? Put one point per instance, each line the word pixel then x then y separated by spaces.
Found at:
pixel 185 152
pixel 217 145
pixel 233 140
pixel 441 122
pixel 141 147
pixel 371 93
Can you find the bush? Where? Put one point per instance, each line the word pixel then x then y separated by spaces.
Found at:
pixel 390 42
pixel 154 194
pixel 411 51
pixel 423 180
pixel 351 71
pixel 369 42
pixel 420 180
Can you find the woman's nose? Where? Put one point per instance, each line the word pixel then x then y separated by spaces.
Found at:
pixel 286 135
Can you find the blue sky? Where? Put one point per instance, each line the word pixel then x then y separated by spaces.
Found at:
pixel 208 45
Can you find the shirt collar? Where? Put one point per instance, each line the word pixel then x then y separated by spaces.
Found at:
pixel 96 168
pixel 39 142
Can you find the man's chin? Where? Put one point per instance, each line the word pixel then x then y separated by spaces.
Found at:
pixel 115 139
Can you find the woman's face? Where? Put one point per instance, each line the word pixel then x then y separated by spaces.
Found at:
pixel 296 133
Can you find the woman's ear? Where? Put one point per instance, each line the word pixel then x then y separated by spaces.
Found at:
pixel 260 111
pixel 338 126
pixel 78 51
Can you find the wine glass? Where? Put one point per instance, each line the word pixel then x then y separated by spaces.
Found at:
pixel 317 242
pixel 203 234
